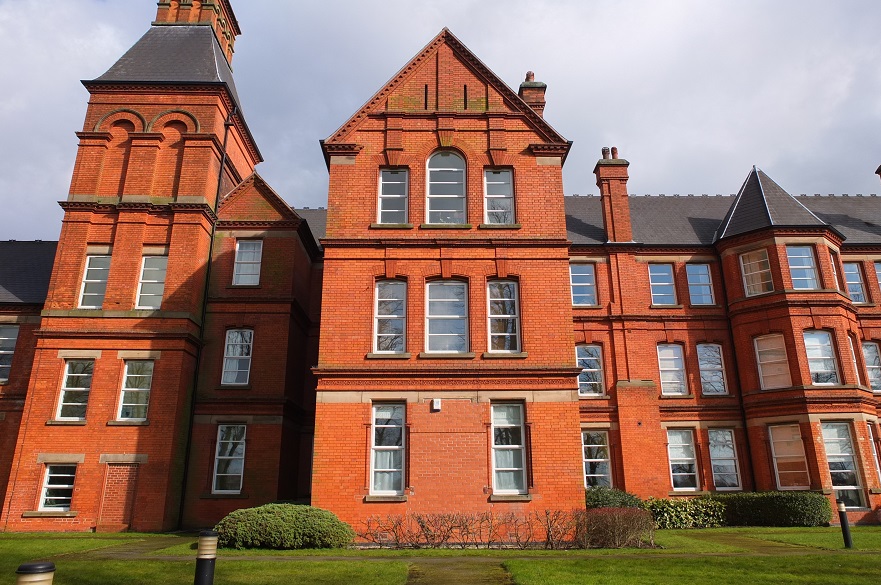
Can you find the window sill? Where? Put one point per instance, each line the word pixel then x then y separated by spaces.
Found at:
pixel 445 226
pixel 715 395
pixel 128 423
pixel 391 226
pixel 866 305
pixel 65 423
pixel 495 355
pixel 875 490
pixel 447 356
pixel 4 382
pixel 209 496
pixel 587 306
pixel 666 306
pixel 384 499
pixel 248 286
pixel 593 396
pixel 387 356
pixel 694 492
pixel 511 498
pixel 675 396
pixel 48 514
pixel 713 306
pixel 234 387
pixel 499 226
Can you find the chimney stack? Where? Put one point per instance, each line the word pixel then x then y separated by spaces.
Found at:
pixel 216 13
pixel 878 172
pixel 533 93
pixel 611 173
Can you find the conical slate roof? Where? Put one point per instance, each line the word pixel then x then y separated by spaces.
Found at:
pixel 762 203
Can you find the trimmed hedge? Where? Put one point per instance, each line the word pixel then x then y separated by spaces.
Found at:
pixel 604 497
pixel 686 513
pixel 283 526
pixel 775 508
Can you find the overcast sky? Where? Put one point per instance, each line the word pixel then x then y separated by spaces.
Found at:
pixel 693 92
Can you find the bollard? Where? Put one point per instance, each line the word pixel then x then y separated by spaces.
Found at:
pixel 845 527
pixel 206 558
pixel 42 573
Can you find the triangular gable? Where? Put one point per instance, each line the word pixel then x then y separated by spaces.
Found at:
pixel 253 200
pixel 402 92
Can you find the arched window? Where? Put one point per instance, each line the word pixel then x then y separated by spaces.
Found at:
pixel 446 188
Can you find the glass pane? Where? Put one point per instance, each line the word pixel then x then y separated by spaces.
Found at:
pixel 508 436
pixel 506 414
pixel 509 458
pixel 510 480
pixel 388 459
pixel 389 414
pixel 387 481
pixel 228 483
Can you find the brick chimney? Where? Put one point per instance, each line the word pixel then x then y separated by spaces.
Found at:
pixel 215 13
pixel 533 93
pixel 612 176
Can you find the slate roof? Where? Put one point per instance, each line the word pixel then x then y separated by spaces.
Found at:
pixel 25 269
pixel 316 219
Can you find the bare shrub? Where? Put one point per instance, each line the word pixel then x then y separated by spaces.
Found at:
pixel 617 528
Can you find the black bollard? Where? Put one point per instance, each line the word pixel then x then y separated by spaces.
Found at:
pixel 32 573
pixel 845 527
pixel 206 558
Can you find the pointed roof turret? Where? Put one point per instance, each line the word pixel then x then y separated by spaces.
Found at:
pixel 762 203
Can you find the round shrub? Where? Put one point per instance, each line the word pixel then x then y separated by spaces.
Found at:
pixel 604 497
pixel 283 526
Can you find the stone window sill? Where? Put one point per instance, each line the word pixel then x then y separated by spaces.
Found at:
pixel 234 387
pixel 210 496
pixel 714 306
pixel 875 490
pixel 245 286
pixel 666 307
pixel 445 226
pixel 495 355
pixel 49 514
pixel 387 356
pixel 675 396
pixel 587 306
pixel 386 499
pixel 391 226
pixel 447 356
pixel 65 423
pixel 499 226
pixel 128 423
pixel 688 493
pixel 511 498
pixel 593 396
pixel 715 395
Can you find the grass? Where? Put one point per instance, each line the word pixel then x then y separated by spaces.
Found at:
pixel 865 538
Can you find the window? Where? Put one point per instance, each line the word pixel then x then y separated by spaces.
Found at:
pixel 393 189
pixel 878 272
pixel 75 389
pixel 57 488
pixel 152 284
pixel 672 368
pixel 683 463
pixel 499 196
pixel 582 277
pixel 842 463
pixel 8 339
pixel 509 461
pixel 447 316
pixel 590 360
pixel 237 356
pixel 853 279
pixel 661 280
pixel 229 460
pixel 821 359
pixel 446 188
pixel 874 446
pixel 833 261
pixel 853 359
pixel 723 457
pixel 387 462
pixel 137 379
pixel 504 319
pixel 700 285
pixel 756 271
pixel 391 316
pixel 709 359
pixel 802 268
pixel 772 361
pixel 788 451
pixel 597 466
pixel 249 255
pixel 94 282
pixel 873 364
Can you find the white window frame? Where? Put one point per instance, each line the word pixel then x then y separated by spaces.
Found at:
pixel 833 261
pixel 878 272
pixel 383 304
pixel 377 450
pixel 870 427
pixel 590 364
pixel 229 357
pixel 67 391
pixel 700 278
pixel 8 340
pixel 509 196
pixel 755 266
pixel 586 290
pixel 842 452
pixel 135 384
pixel 674 435
pixel 711 372
pixel 57 472
pixel 240 278
pixel 854 282
pixel 429 317
pixel 496 319
pixel 672 364
pixel 802 267
pixel 233 455
pixel 500 447
pixel 460 197
pixel 385 178
pixel 873 364
pixel 853 358
pixel 724 464
pixel 820 344
pixel 94 275
pixel 595 454
pixel 658 278
pixel 763 362
pixel 793 458
pixel 144 280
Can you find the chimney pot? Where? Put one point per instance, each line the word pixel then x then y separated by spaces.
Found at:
pixel 606 153
pixel 614 152
pixel 530 76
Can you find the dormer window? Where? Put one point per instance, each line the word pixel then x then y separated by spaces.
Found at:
pixel 446 188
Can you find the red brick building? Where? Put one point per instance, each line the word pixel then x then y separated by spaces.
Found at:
pixel 451 334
